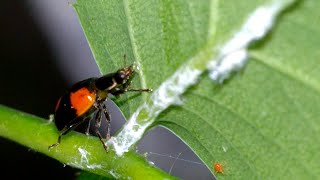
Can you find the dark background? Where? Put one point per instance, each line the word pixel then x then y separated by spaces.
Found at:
pixel 30 83
pixel 43 52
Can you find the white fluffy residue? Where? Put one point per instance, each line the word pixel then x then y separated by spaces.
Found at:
pixel 115 175
pixel 233 55
pixel 130 134
pixel 84 161
pixel 232 62
pixel 94 166
pixel 167 94
pixel 83 154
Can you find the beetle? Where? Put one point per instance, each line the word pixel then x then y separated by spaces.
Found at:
pixel 84 102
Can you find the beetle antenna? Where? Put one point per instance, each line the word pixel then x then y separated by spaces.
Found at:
pixel 125 60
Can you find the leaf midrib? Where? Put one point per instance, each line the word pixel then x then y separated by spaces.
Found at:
pixel 133 44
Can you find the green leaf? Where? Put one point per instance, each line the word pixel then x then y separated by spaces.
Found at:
pixel 262 123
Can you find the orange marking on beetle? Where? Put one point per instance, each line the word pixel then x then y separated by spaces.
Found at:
pixel 82 100
pixel 218 167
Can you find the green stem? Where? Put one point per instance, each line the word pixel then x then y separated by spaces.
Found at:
pixel 77 150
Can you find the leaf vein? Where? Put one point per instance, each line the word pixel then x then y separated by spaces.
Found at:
pixel 212 127
pixel 257 129
pixel 294 74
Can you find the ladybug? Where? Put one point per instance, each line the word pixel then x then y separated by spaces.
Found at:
pixel 84 102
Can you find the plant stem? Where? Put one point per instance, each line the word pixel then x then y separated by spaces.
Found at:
pixel 77 150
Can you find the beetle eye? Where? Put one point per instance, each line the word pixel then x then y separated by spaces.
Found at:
pixel 122 76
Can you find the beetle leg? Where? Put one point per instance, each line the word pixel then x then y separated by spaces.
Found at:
pixel 127 88
pixel 139 90
pixel 98 118
pixel 107 115
pixel 97 126
pixel 88 128
pixel 64 131
pixel 57 143
pixel 90 118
